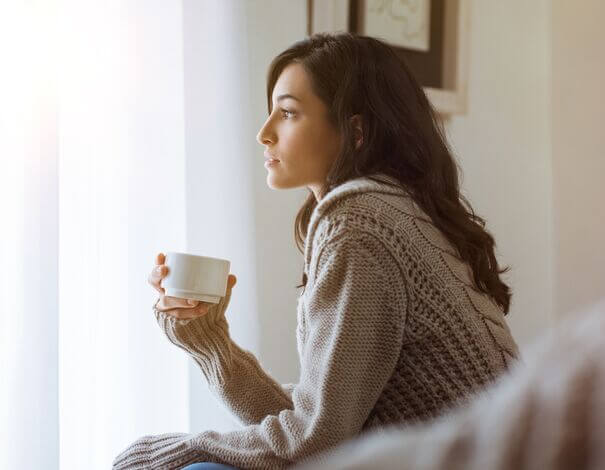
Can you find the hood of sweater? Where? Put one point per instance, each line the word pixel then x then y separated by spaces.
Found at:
pixel 352 187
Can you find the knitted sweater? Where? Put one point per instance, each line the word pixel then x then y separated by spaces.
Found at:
pixel 390 330
pixel 547 413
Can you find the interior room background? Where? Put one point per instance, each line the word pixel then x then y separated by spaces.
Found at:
pixel 127 128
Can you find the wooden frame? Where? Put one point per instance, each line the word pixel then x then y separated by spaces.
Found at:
pixel 333 16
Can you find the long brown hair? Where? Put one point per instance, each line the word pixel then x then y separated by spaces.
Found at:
pixel 403 137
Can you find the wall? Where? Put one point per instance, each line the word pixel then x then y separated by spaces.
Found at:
pixel 578 78
pixel 503 146
pixel 273 25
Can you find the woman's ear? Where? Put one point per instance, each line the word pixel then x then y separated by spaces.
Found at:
pixel 357 123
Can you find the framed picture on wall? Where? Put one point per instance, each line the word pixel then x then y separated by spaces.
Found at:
pixel 430 35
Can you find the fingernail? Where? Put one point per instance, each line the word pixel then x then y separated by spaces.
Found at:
pixel 192 302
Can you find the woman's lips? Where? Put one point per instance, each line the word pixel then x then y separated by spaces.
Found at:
pixel 268 156
pixel 270 162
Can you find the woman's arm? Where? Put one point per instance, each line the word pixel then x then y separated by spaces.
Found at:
pixel 234 375
pixel 354 340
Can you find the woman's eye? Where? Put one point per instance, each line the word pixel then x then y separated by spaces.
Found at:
pixel 286 113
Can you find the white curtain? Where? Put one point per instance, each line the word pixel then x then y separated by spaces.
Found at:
pixel 92 187
pixel 28 238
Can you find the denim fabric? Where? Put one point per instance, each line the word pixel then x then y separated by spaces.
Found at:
pixel 208 466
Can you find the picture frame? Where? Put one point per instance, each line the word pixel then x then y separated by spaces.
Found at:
pixel 442 69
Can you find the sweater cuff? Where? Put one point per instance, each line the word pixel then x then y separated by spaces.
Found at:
pixel 205 338
pixel 164 451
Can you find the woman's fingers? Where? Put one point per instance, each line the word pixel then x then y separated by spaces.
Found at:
pixel 180 308
pixel 184 308
pixel 156 276
pixel 187 314
pixel 169 303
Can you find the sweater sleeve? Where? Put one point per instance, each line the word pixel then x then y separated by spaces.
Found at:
pixel 249 392
pixel 547 413
pixel 353 341
pixel 234 375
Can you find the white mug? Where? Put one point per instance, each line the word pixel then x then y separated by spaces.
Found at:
pixel 196 277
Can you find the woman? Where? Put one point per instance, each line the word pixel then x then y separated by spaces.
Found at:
pixel 402 311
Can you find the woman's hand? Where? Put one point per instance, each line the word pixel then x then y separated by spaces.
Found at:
pixel 182 309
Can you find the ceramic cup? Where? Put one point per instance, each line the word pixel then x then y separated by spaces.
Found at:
pixel 196 277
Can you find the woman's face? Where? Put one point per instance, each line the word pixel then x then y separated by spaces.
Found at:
pixel 298 134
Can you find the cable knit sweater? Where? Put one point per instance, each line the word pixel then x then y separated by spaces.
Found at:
pixel 548 413
pixel 390 330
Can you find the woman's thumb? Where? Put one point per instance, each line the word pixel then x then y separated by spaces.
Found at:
pixel 231 281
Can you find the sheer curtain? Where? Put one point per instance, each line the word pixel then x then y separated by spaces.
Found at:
pixel 28 239
pixel 92 187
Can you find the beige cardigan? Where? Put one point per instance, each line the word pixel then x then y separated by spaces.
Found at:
pixel 390 330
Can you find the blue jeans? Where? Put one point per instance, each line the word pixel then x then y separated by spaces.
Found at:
pixel 208 466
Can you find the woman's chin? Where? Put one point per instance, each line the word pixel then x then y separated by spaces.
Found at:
pixel 274 181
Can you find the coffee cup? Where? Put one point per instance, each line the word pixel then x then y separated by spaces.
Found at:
pixel 196 277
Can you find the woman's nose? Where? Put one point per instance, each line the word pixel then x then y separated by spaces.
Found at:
pixel 259 138
pixel 263 136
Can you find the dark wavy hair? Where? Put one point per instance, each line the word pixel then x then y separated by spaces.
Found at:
pixel 403 137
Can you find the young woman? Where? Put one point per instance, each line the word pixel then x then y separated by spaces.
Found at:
pixel 402 311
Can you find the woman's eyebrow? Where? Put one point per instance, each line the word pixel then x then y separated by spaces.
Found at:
pixel 287 95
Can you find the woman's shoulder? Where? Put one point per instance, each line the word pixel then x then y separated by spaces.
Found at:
pixel 355 195
pixel 383 209
pixel 377 205
pixel 364 204
pixel 360 205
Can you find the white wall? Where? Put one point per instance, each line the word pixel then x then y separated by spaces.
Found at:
pixel 578 86
pixel 503 145
pixel 532 153
pixel 273 25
